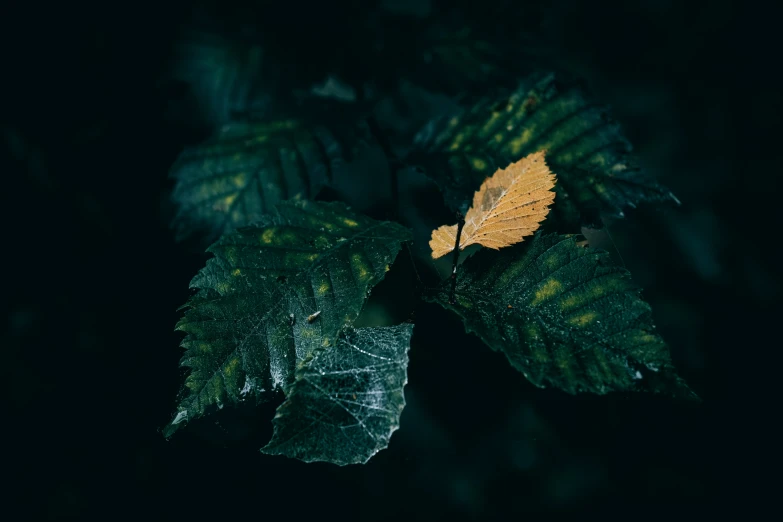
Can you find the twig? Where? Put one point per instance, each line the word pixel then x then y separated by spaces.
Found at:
pixel 419 282
pixel 606 227
pixel 460 224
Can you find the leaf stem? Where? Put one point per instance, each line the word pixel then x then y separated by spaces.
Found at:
pixel 460 224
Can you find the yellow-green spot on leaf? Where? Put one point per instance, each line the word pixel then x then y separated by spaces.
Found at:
pixel 490 123
pixel 583 319
pixel 240 179
pixel 618 167
pixel 225 203
pixel 517 144
pixel 236 272
pixel 607 286
pixel 267 236
pixel 645 338
pixel 230 367
pixel 359 266
pixel 299 259
pixel 479 164
pixel 499 137
pixel 223 287
pixel 323 289
pixel 548 290
pixel 350 223
pixel 457 143
pixel 571 302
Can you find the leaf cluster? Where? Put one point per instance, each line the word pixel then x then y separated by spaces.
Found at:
pixel 510 147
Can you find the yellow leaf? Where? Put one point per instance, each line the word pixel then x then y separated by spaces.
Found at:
pixel 508 206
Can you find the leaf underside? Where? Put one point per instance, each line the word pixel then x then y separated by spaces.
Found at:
pixel 508 206
pixel 564 316
pixel 256 311
pixel 584 148
pixel 345 403
pixel 246 168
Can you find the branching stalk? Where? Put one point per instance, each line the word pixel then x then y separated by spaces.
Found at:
pixel 460 224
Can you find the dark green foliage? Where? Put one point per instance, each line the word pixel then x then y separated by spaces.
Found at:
pixel 453 57
pixel 585 149
pixel 246 168
pixel 272 294
pixel 226 79
pixel 345 403
pixel 565 316
pixel 275 307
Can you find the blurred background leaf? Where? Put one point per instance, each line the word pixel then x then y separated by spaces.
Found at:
pixel 245 169
pixel 225 79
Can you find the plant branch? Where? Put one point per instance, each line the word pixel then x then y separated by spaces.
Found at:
pixel 460 224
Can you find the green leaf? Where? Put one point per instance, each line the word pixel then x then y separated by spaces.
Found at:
pixel 346 402
pixel 246 168
pixel 272 294
pixel 565 316
pixel 585 149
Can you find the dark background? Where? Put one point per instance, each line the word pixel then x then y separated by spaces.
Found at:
pixel 94 277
